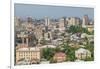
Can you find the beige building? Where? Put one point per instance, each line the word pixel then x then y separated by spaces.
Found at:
pixel 25 53
pixel 85 21
pixel 90 28
pixel 61 24
pixel 28 54
pixel 72 21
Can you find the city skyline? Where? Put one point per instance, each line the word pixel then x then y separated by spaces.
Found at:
pixel 39 11
pixel 53 39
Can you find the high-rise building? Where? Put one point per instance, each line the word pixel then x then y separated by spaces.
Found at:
pixel 72 21
pixel 62 24
pixel 47 21
pixel 85 21
pixel 18 24
pixel 78 21
pixel 17 21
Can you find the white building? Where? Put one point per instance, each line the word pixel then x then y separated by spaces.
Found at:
pixel 47 21
pixel 48 46
pixel 82 53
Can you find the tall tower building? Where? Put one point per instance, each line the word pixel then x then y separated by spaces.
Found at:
pixel 62 24
pixel 68 21
pixel 73 20
pixel 17 21
pixel 85 21
pixel 18 24
pixel 77 21
pixel 47 21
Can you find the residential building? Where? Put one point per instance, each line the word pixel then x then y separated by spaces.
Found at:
pixel 90 28
pixel 59 57
pixel 47 21
pixel 29 54
pixel 82 53
pixel 62 24
pixel 72 21
pixel 85 21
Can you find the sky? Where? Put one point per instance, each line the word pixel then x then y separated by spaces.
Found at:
pixel 40 11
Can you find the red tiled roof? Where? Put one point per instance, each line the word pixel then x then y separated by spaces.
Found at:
pixel 60 54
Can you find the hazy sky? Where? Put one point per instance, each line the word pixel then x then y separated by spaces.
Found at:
pixel 40 11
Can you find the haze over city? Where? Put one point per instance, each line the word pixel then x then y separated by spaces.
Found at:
pixel 39 11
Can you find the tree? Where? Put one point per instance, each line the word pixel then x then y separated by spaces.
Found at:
pixel 57 49
pixel 71 54
pixel 48 53
pixel 90 47
pixel 75 29
pixel 69 51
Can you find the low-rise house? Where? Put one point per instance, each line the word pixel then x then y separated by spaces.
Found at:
pixel 90 28
pixel 82 53
pixel 74 37
pixel 91 38
pixel 83 35
pixel 74 44
pixel 59 57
